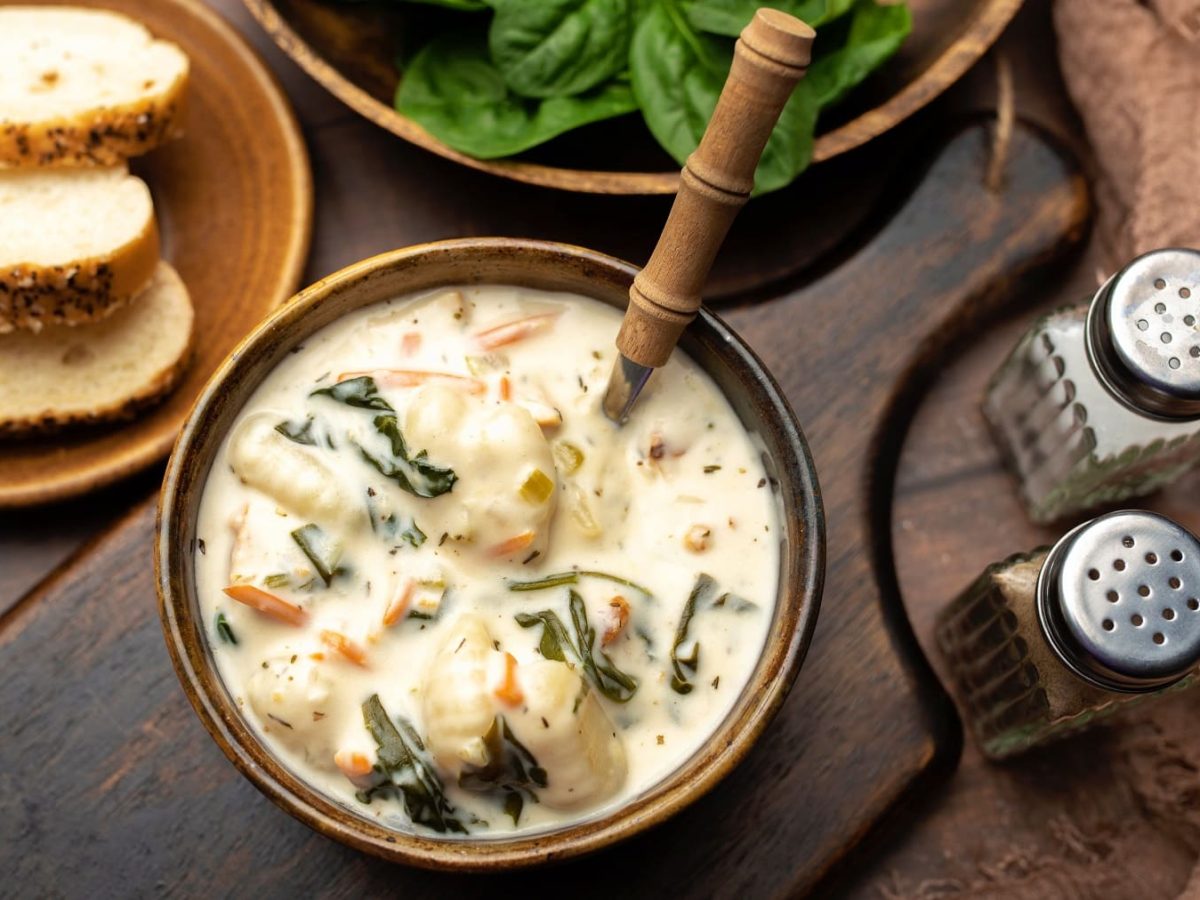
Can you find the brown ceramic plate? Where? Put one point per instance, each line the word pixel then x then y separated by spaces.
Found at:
pixel 350 48
pixel 756 399
pixel 234 202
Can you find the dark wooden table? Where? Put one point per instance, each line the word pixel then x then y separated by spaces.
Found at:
pixel 1040 827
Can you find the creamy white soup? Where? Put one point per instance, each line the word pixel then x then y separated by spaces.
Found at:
pixel 446 591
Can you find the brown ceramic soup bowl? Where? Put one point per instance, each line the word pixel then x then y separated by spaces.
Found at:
pixel 755 398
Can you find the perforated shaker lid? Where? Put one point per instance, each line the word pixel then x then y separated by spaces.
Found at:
pixel 1143 334
pixel 1119 601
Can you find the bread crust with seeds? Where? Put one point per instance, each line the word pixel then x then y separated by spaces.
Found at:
pixel 81 86
pixel 106 136
pixel 75 245
pixel 86 290
pixel 159 329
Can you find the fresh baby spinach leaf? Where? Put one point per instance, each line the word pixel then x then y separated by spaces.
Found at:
pixel 454 90
pixel 856 46
pixel 677 75
pixel 559 48
pixel 729 17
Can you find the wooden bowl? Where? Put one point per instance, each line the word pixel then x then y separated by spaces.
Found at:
pixel 757 401
pixel 350 48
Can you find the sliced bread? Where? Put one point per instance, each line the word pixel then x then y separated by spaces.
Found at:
pixel 101 372
pixel 84 87
pixel 75 244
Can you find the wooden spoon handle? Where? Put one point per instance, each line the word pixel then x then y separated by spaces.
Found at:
pixel 769 60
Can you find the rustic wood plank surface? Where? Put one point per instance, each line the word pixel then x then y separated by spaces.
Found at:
pixel 142 801
pixel 91 697
pixel 1111 813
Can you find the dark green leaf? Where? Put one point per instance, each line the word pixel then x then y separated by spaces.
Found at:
pixel 358 392
pixel 414 474
pixel 558 48
pixel 510 768
pixel 604 674
pixel 680 681
pixel 729 17
pixel 514 803
pixel 609 680
pixel 855 47
pixel 452 89
pixel 224 631
pixel 734 602
pixel 322 551
pixel 572 577
pixel 401 755
pixel 413 535
pixel 300 432
pixel 554 635
pixel 677 76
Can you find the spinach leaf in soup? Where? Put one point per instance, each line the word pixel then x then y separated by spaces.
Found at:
pixel 300 432
pixel 454 90
pixel 361 393
pixel 322 551
pixel 413 473
pixel 677 74
pixel 401 757
pixel 555 643
pixel 510 768
pixel 685 653
pixel 559 48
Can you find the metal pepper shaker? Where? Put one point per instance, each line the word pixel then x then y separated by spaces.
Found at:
pixel 1101 402
pixel 1045 643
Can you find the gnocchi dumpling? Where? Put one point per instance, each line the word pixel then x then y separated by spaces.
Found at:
pixel 263 551
pixel 545 703
pixel 567 730
pixel 458 707
pixel 507 485
pixel 296 701
pixel 287 473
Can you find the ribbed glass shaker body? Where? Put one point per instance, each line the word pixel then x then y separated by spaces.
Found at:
pixel 1101 402
pixel 1045 643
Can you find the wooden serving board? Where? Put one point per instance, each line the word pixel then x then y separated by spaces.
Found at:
pixel 110 787
pixel 1109 813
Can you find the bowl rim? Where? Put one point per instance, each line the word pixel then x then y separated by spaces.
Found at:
pixel 943 71
pixel 757 705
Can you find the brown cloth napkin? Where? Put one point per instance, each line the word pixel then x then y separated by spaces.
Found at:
pixel 1133 70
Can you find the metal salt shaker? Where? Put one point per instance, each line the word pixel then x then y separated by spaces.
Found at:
pixel 1045 643
pixel 1101 402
